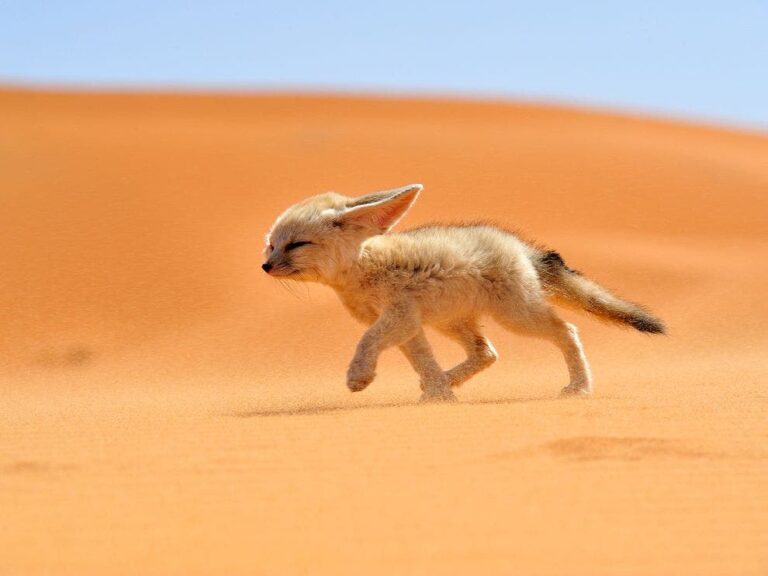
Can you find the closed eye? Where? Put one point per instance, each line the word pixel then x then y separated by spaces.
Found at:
pixel 294 245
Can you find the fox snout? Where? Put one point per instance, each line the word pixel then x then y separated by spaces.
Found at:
pixel 278 266
pixel 275 267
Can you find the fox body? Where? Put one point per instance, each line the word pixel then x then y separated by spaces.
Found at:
pixel 448 277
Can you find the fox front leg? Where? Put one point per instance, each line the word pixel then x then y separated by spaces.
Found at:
pixel 396 325
pixel 480 352
pixel 435 385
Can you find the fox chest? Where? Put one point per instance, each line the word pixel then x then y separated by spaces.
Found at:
pixel 361 306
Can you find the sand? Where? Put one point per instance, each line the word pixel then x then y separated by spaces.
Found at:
pixel 167 408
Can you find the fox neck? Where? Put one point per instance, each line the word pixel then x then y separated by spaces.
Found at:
pixel 343 265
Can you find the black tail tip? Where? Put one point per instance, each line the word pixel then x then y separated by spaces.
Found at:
pixel 648 325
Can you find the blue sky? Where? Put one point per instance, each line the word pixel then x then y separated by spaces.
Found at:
pixel 698 59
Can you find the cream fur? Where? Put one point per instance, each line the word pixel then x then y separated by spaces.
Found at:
pixel 448 277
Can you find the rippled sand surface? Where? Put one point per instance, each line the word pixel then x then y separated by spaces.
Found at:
pixel 166 408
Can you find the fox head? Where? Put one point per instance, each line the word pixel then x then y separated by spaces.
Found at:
pixel 318 238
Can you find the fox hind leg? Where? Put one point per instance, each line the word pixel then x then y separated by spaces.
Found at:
pixel 566 337
pixel 544 323
pixel 480 352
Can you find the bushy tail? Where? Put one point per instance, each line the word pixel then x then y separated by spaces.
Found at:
pixel 569 288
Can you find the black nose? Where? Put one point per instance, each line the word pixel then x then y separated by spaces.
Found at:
pixel 266 267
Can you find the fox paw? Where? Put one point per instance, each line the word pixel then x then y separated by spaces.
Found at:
pixel 572 391
pixel 441 394
pixel 358 385
pixel 358 379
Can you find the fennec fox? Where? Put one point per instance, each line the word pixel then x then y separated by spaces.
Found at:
pixel 447 277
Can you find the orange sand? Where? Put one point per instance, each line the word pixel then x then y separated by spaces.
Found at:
pixel 169 409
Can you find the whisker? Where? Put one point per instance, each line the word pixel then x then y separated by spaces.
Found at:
pixel 291 288
pixel 286 287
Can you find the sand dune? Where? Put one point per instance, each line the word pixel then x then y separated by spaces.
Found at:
pixel 169 409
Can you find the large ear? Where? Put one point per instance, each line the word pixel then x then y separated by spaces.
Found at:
pixel 381 210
